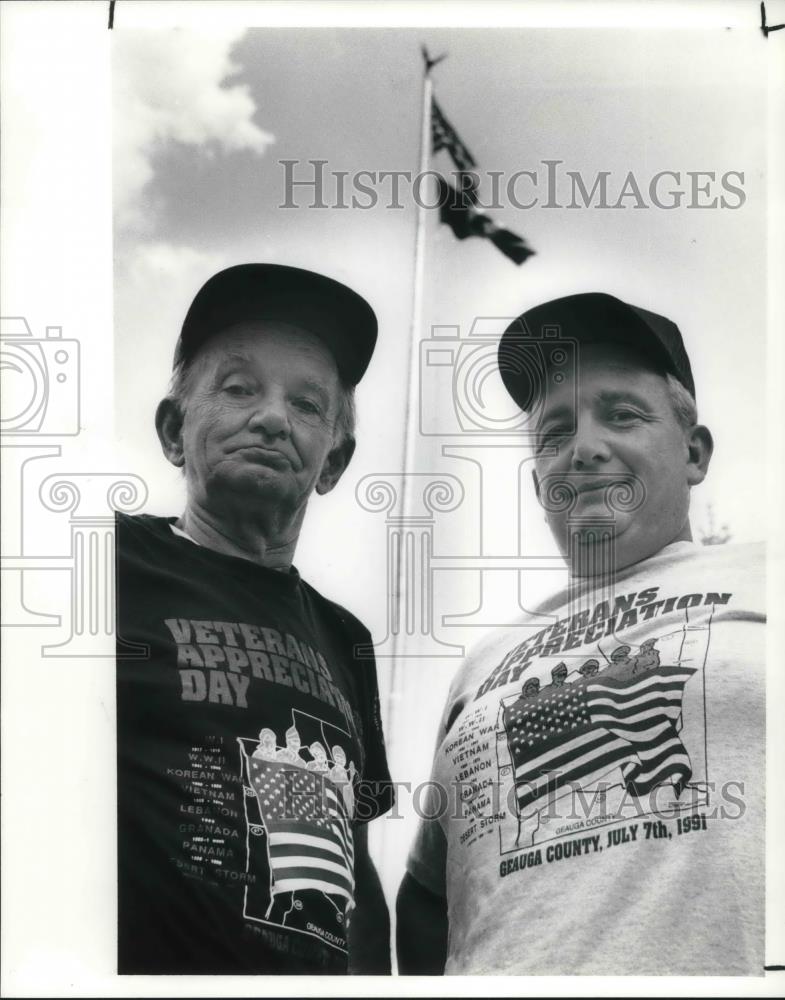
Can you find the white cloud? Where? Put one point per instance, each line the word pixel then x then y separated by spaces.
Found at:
pixel 171 85
pixel 159 280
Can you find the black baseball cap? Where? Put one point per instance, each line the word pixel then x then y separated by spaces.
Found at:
pixel 591 317
pixel 340 317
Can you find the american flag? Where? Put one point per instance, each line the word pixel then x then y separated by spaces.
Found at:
pixel 568 733
pixel 458 208
pixel 444 136
pixel 309 839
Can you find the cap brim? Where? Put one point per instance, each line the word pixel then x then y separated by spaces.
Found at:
pixel 592 317
pixel 340 317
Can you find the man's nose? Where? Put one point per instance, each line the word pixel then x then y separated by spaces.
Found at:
pixel 270 416
pixel 589 444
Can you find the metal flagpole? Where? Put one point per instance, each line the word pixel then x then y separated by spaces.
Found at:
pixel 412 408
pixel 397 601
pixel 419 266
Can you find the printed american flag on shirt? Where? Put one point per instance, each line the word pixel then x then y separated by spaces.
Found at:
pixel 308 832
pixel 566 734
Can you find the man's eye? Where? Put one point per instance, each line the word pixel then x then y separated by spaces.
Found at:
pixel 237 389
pixel 307 406
pixel 623 415
pixel 556 431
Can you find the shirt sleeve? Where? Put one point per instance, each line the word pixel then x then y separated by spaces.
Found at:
pixel 375 792
pixel 427 860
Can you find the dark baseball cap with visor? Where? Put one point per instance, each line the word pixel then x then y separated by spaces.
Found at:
pixel 591 317
pixel 329 310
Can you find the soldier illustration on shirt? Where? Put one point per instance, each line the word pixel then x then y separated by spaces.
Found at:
pixel 531 688
pixel 319 762
pixel 266 749
pixel 342 777
pixel 620 657
pixel 558 677
pixel 648 658
pixel 589 668
pixel 290 754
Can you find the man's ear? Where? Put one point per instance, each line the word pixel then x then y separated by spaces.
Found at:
pixel 536 481
pixel 169 424
pixel 700 447
pixel 335 465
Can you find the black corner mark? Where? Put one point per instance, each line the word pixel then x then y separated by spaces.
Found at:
pixel 765 28
pixel 774 968
pixel 111 14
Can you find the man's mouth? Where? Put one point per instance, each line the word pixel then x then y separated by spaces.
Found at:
pixel 264 456
pixel 604 489
pixel 590 487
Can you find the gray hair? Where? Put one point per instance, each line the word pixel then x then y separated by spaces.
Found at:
pixel 346 421
pixel 684 408
pixel 181 384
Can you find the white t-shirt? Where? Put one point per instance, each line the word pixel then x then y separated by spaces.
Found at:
pixel 610 821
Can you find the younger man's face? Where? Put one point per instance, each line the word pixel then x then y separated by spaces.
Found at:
pixel 622 432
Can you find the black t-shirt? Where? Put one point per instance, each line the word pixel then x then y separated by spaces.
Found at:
pixel 249 743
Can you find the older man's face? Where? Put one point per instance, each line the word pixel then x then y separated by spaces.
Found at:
pixel 260 417
pixel 627 433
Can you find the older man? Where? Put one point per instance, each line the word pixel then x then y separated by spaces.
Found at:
pixel 234 856
pixel 612 824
